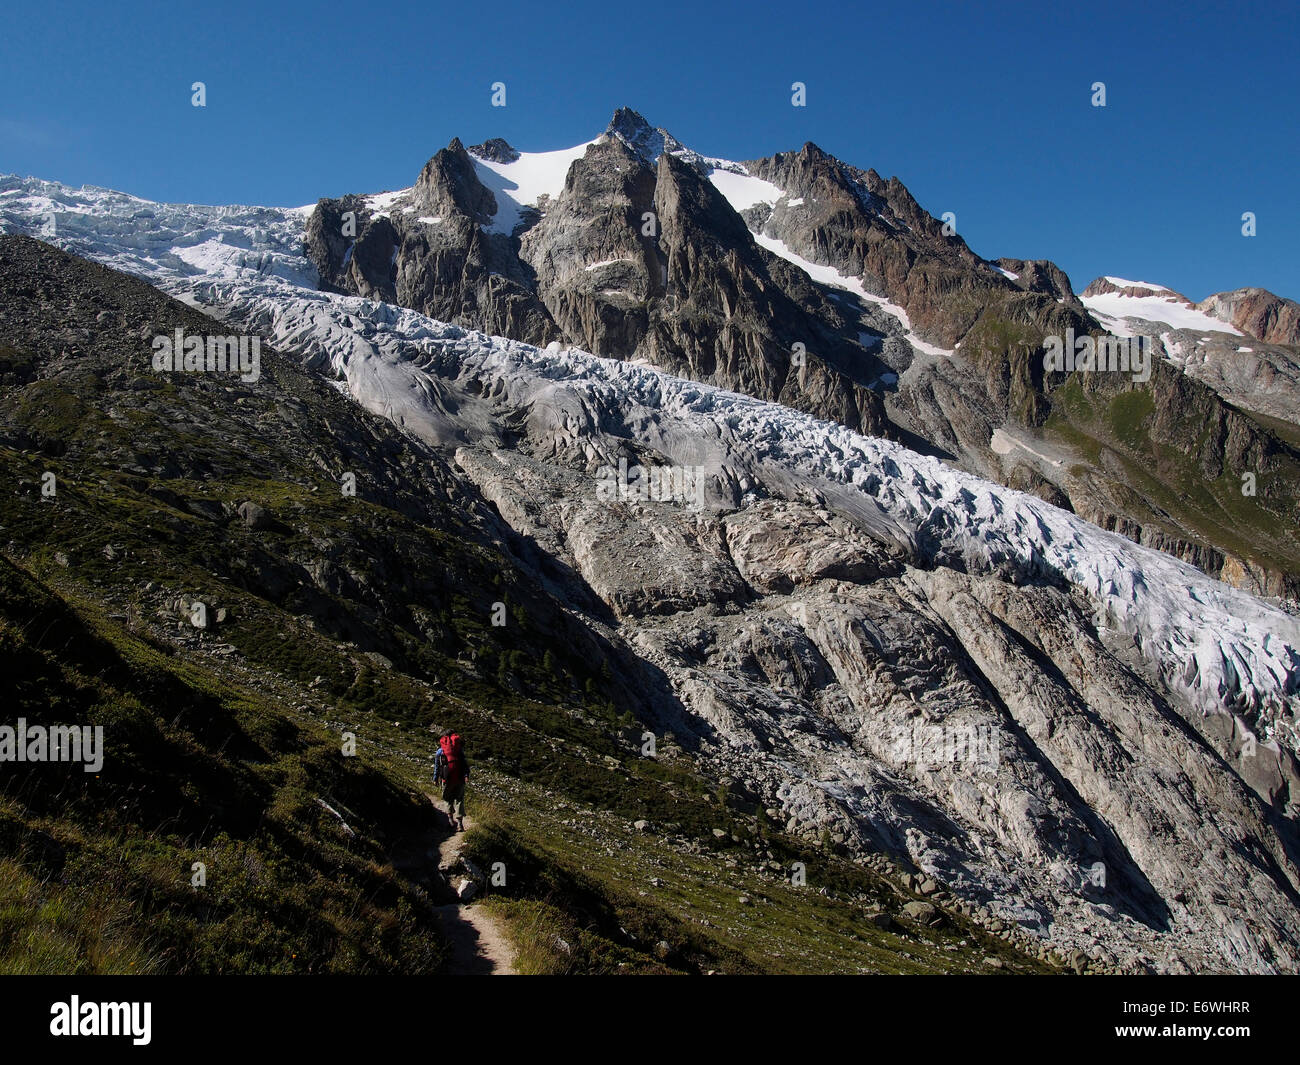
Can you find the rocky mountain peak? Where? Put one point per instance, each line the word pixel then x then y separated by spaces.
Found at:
pixel 1040 275
pixel 627 122
pixel 448 182
pixel 649 142
pixel 494 150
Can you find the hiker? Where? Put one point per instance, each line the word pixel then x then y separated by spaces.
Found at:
pixel 451 770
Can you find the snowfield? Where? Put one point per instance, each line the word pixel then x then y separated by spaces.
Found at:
pixel 1223 649
pixel 1111 308
pixel 525 181
pixel 743 191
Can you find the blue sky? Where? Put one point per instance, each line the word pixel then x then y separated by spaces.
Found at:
pixel 982 110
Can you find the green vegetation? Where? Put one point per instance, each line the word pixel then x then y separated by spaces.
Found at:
pixel 1170 489
pixel 586 892
pixel 98 868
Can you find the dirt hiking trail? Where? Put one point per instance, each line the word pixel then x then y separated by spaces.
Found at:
pixel 478 943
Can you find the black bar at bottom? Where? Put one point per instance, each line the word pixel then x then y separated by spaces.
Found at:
pixel 336 1016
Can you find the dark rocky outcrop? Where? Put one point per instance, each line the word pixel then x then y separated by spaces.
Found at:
pixel 428 250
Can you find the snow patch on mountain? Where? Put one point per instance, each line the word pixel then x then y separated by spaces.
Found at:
pixel 1111 308
pixel 523 182
pixel 743 191
pixel 380 204
pixel 828 275
pixel 1122 283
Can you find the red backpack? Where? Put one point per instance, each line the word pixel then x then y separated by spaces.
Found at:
pixel 452 750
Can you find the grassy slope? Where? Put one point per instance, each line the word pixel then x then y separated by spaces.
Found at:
pixel 1113 430
pixel 96 873
pixel 96 869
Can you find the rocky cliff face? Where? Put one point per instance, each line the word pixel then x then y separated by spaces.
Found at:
pixel 598 270
pixel 1103 286
pixel 875 230
pixel 1258 312
pixel 426 248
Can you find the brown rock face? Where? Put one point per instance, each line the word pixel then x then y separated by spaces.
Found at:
pixel 1258 312
pixel 1040 275
pixel 596 269
pixel 352 251
pixel 733 312
pixel 1104 286
pixel 867 227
